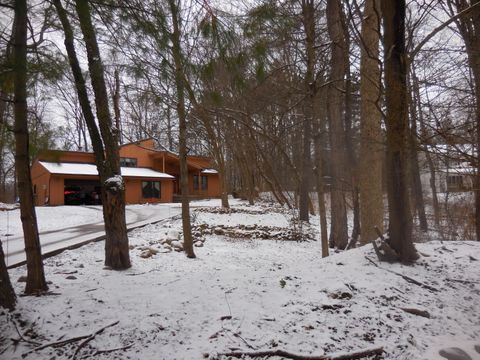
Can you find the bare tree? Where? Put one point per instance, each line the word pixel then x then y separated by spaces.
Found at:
pixel 469 27
pixel 104 140
pixel 400 218
pixel 371 139
pixel 339 230
pixel 35 273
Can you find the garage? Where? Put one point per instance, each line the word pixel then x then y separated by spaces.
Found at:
pixel 82 192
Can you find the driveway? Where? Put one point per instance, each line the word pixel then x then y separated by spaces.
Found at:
pixel 59 239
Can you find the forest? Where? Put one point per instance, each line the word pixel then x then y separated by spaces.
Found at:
pixel 358 120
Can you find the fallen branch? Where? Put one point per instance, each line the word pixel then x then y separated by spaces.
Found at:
pixel 67 341
pixel 404 277
pixel 21 336
pixel 463 281
pixel 418 312
pixel 107 351
pixel 288 355
pixel 91 337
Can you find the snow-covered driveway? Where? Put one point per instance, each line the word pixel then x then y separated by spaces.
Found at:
pixel 65 226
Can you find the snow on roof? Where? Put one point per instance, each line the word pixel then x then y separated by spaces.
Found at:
pixel 91 169
pixel 459 170
pixel 209 171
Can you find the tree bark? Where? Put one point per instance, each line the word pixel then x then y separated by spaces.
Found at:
pixel 308 19
pixel 182 127
pixel 319 140
pixel 35 273
pixel 104 141
pixel 371 142
pixel 339 229
pixel 7 295
pixel 417 192
pixel 428 157
pixel 400 218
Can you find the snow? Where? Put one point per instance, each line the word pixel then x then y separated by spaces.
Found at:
pixel 91 169
pixel 279 294
pixel 114 183
pixel 209 171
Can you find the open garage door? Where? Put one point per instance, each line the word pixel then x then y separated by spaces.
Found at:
pixel 82 192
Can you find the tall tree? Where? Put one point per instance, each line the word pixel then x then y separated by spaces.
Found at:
pixel 339 229
pixel 182 125
pixel 104 138
pixel 35 273
pixel 400 218
pixel 308 20
pixel 469 26
pixel 371 142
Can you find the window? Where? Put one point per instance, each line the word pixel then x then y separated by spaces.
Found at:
pixel 151 189
pixel 200 182
pixel 454 182
pixel 128 162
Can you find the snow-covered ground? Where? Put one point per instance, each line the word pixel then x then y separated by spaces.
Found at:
pixel 248 294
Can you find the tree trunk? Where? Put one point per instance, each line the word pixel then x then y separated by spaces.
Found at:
pixel 35 274
pixel 182 128
pixel 349 141
pixel 469 26
pixel 417 192
pixel 308 18
pixel 400 218
pixel 7 295
pixel 106 149
pixel 116 105
pixel 339 229
pixel 371 142
pixel 423 130
pixel 319 139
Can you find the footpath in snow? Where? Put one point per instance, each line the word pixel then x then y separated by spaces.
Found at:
pixel 250 288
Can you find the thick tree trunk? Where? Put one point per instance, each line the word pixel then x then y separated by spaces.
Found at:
pixel 113 191
pixel 371 142
pixel 400 218
pixel 35 274
pixel 339 229
pixel 7 295
pixel 182 128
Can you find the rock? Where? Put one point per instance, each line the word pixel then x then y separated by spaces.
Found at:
pixel 177 245
pixel 173 235
pixel 342 295
pixel 22 278
pixel 166 241
pixel 71 277
pixel 454 353
pixel 167 247
pixel 149 252
pixel 198 244
pixel 477 348
pixel 79 266
pixel 218 231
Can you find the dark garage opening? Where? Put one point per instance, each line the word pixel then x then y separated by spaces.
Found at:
pixel 82 192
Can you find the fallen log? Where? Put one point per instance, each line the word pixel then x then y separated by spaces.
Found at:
pixel 288 355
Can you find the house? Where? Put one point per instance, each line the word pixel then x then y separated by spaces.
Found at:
pixel 453 168
pixel 150 175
